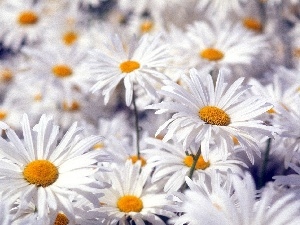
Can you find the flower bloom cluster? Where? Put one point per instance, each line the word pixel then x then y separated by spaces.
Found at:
pixel 152 112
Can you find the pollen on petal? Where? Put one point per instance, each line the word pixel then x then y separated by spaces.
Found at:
pixel 129 66
pixel 130 203
pixel 98 145
pixel 214 116
pixel 212 54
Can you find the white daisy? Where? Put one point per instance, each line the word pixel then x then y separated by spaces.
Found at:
pixel 174 162
pixel 21 22
pixel 223 43
pixel 206 112
pixel 122 150
pixel 133 197
pixel 211 197
pixel 213 203
pixel 40 171
pixel 68 27
pixel 137 63
pixel 281 90
pixel 59 67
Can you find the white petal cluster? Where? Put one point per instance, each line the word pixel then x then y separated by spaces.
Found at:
pixel 149 112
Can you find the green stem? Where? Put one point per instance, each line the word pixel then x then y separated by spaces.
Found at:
pixel 137 127
pixel 195 160
pixel 262 178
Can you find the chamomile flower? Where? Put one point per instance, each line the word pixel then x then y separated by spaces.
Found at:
pixel 204 112
pixel 48 174
pixel 174 162
pixel 135 63
pixel 133 197
pixel 21 22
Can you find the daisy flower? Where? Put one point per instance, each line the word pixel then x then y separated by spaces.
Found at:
pixel 223 44
pixel 204 112
pixel 21 22
pixel 133 197
pixel 138 63
pixel 279 92
pixel 121 150
pixel 40 171
pixel 212 203
pixel 174 162
pixel 58 66
pixel 208 196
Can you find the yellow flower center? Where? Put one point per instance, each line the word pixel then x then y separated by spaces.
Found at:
pixel 271 111
pixel 71 107
pixel 62 70
pixel 99 145
pixel 296 52
pixel 252 24
pixel 129 66
pixel 214 116
pixel 28 18
pixel 37 97
pixel 146 26
pixel 70 37
pixel 130 203
pixel 61 219
pixel 40 173
pixel 212 54
pixel 3 114
pixel 134 159
pixel 201 164
pixel 6 75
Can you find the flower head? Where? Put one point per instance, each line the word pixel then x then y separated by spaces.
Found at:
pixel 40 171
pixel 132 196
pixel 136 64
pixel 206 112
